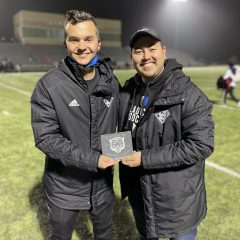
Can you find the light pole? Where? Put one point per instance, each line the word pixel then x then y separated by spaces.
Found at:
pixel 176 7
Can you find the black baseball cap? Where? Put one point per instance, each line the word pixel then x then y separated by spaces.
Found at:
pixel 144 31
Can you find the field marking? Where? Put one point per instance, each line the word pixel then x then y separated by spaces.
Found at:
pixel 226 107
pixel 211 164
pixel 15 89
pixel 6 113
pixel 223 169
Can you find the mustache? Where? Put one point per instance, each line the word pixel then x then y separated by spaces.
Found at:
pixel 145 62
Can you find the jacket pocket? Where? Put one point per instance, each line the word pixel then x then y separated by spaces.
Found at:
pixel 172 185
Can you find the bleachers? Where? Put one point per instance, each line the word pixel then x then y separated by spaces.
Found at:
pixel 183 58
pixel 25 56
pixel 119 56
pixel 44 57
pixel 50 54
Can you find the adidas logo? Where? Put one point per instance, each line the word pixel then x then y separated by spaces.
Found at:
pixel 74 103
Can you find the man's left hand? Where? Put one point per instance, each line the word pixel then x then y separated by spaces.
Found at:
pixel 133 160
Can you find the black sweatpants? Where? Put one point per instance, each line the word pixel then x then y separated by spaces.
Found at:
pixel 62 221
pixel 231 92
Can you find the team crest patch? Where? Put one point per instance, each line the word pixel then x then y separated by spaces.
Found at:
pixel 108 101
pixel 117 144
pixel 162 116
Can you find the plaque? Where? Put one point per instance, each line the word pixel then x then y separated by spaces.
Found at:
pixel 117 145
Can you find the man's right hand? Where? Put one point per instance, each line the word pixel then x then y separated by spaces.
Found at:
pixel 105 161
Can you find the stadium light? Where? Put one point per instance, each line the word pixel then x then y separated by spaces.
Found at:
pixel 178 2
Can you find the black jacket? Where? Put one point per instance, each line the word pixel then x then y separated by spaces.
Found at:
pixel 67 122
pixel 175 136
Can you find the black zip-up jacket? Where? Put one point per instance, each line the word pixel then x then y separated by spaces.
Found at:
pixel 67 122
pixel 175 137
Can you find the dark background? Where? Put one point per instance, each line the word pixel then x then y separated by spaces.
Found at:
pixel 207 29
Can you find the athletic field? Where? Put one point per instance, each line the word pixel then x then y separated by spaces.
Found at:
pixel 22 210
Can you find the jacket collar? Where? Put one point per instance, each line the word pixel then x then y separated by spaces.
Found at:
pixel 104 69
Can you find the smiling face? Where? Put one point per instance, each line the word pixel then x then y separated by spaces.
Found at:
pixel 82 41
pixel 148 55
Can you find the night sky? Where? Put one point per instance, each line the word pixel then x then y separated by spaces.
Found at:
pixel 207 29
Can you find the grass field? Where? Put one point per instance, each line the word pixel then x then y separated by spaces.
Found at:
pixel 22 211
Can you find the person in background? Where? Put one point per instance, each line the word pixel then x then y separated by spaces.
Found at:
pixel 72 105
pixel 173 133
pixel 231 77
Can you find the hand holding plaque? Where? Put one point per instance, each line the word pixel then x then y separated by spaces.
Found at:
pixel 117 145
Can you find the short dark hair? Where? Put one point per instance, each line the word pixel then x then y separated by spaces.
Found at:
pixel 76 16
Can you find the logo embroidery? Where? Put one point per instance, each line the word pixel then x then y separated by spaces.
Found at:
pixel 74 103
pixel 108 101
pixel 117 144
pixel 162 116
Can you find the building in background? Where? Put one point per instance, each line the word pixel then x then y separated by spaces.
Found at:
pixel 39 43
pixel 41 28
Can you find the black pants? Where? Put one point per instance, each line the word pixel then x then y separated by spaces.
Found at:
pixel 62 221
pixel 231 92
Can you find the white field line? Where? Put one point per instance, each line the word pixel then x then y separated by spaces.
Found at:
pixel 208 88
pixel 226 107
pixel 15 89
pixel 6 113
pixel 223 169
pixel 211 164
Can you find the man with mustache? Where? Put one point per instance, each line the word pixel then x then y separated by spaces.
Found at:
pixel 172 132
pixel 72 105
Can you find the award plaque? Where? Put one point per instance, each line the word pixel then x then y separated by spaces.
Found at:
pixel 117 145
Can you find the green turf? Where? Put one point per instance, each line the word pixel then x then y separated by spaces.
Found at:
pixel 22 210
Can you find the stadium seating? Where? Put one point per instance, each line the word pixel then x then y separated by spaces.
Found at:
pixel 44 57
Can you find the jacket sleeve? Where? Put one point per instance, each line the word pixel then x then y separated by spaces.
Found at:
pixel 197 141
pixel 49 139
